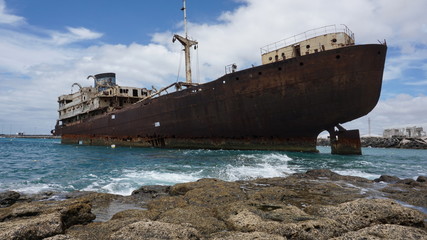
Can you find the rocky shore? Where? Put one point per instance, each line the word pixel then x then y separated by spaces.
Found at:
pixel 318 204
pixel 380 142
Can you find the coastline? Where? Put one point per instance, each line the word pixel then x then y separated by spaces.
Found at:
pixel 375 142
pixel 318 204
pixel 41 136
pixel 381 142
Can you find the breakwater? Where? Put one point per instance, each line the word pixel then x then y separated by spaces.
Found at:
pixel 35 136
pixel 380 142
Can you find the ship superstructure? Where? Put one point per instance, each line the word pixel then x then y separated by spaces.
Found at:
pixel 104 97
pixel 309 42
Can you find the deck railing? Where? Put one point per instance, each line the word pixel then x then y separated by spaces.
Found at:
pixel 307 35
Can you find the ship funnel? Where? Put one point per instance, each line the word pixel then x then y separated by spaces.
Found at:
pixel 104 81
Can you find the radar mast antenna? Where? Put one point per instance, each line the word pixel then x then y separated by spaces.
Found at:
pixel 187 44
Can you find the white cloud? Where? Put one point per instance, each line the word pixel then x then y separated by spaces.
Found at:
pixel 36 70
pixel 74 35
pixel 6 18
pixel 402 110
pixel 22 52
pixel 418 83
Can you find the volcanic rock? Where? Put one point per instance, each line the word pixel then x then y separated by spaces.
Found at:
pixel 318 204
pixel 387 179
pixel 8 198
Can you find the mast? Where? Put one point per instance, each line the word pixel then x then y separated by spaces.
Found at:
pixel 187 44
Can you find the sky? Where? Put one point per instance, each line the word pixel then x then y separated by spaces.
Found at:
pixel 47 45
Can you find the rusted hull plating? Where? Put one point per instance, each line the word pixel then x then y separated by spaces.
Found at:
pixel 278 106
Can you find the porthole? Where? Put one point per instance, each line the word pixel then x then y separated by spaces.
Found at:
pixel 270 58
pixel 301 64
pixel 337 56
pixel 280 69
pixel 334 40
pixel 259 73
pixel 308 46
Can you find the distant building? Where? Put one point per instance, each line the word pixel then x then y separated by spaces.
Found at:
pixel 404 132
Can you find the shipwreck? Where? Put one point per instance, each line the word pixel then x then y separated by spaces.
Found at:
pixel 306 84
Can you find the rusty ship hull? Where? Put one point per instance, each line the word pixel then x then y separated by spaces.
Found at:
pixel 278 106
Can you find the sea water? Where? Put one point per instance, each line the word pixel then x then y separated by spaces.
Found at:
pixel 39 165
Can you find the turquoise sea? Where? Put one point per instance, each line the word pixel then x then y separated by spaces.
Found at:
pixel 38 165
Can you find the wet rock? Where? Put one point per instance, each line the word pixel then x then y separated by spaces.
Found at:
pixel 37 220
pixel 210 196
pixel 8 198
pixel 271 194
pixel 363 213
pixel 302 190
pixel 422 179
pixel 72 212
pixel 209 192
pixel 408 191
pixel 165 203
pixel 101 230
pixel 105 205
pixel 61 237
pixel 323 174
pixel 284 214
pixel 386 232
pixel 147 193
pixel 387 179
pixel 274 211
pixel 245 236
pixel 225 211
pixel 79 213
pixel 33 228
pixel 201 218
pixel 135 213
pixel 247 221
pixel 318 204
pixel 380 142
pixel 183 188
pixel 394 142
pixel 313 229
pixel 409 181
pixel 155 230
pixel 151 189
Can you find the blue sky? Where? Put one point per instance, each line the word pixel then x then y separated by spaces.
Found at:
pixel 121 22
pixel 47 45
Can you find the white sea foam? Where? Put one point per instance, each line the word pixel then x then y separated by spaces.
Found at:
pixel 248 166
pixel 130 180
pixel 37 188
pixel 357 173
pixel 260 170
pixel 260 165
